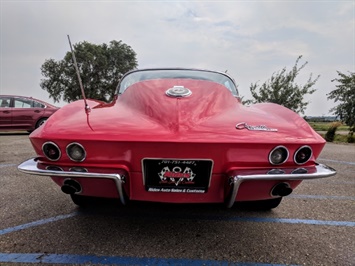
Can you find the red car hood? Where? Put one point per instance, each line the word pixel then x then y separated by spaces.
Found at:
pixel 145 113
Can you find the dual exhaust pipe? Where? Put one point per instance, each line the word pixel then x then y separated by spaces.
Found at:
pixel 71 187
pixel 281 190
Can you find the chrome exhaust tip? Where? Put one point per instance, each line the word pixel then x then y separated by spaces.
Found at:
pixel 71 187
pixel 281 190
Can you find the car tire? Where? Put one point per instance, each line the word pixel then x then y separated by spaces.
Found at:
pixel 41 122
pixel 261 205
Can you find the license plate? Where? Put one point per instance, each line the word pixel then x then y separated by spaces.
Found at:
pixel 176 175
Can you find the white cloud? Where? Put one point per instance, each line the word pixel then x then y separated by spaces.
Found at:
pixel 251 40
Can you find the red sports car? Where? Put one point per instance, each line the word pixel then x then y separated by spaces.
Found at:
pixel 177 136
pixel 23 113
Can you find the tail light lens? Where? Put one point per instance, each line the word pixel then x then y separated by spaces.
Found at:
pixel 54 168
pixel 278 155
pixel 76 152
pixel 78 169
pixel 302 155
pixel 51 151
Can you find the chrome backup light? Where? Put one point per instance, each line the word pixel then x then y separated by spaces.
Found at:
pixel 299 171
pixel 76 152
pixel 302 155
pixel 54 168
pixel 278 155
pixel 51 151
pixel 276 172
pixel 78 169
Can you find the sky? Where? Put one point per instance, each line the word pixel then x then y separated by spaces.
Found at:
pixel 251 40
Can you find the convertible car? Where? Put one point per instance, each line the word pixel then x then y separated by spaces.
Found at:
pixel 177 136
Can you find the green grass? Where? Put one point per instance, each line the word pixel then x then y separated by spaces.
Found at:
pixel 339 138
pixel 324 126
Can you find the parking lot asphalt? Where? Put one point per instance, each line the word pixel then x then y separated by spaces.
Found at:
pixel 39 224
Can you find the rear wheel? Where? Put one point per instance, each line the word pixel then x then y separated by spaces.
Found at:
pixel 41 122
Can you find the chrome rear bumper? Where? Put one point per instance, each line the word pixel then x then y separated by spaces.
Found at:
pixel 31 167
pixel 319 171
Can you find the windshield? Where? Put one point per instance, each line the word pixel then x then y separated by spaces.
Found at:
pixel 149 74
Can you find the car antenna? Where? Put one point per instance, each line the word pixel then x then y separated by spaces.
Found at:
pixel 87 107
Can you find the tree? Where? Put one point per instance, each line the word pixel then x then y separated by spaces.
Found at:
pixel 282 89
pixel 100 68
pixel 345 95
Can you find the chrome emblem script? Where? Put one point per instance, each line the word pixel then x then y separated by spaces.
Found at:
pixel 254 128
pixel 178 91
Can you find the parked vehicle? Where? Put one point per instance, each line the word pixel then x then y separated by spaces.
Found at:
pixel 177 136
pixel 23 113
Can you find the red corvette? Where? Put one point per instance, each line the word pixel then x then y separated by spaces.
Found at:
pixel 177 136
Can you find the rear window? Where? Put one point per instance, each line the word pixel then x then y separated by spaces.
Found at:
pixel 150 74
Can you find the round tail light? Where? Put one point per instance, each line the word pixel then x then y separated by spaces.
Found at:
pixel 302 155
pixel 278 155
pixel 51 151
pixel 76 152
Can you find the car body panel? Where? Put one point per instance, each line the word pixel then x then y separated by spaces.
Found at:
pixel 144 127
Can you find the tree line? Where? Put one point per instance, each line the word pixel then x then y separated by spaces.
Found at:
pixel 101 67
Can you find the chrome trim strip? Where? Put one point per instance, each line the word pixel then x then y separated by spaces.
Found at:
pixel 322 171
pixel 30 167
pixel 244 125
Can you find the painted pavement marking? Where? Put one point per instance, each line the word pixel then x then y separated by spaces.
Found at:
pixel 7 165
pixel 114 260
pixel 190 217
pixel 320 197
pixel 36 223
pixel 336 161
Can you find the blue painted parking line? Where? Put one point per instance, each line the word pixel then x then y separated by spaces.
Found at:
pixel 250 219
pixel 336 161
pixel 7 165
pixel 189 217
pixel 321 197
pixel 293 221
pixel 341 182
pixel 36 223
pixel 246 219
pixel 114 260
